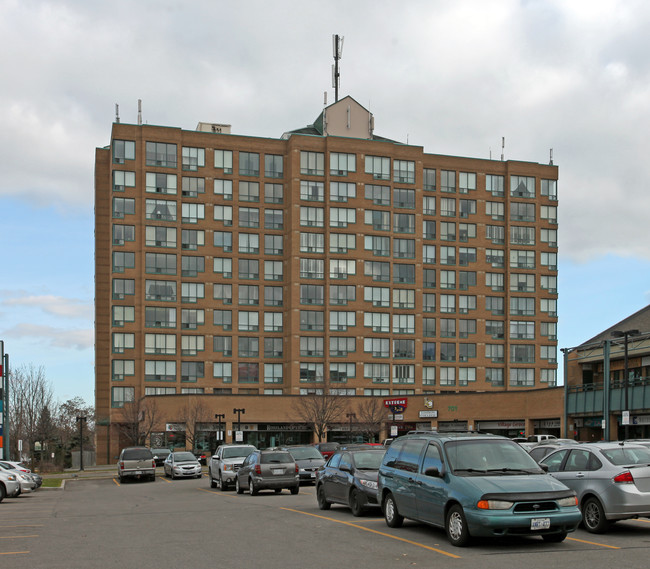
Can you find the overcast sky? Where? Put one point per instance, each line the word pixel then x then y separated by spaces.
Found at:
pixel 454 77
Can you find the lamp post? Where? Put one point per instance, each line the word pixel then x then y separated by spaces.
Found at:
pixel 350 416
pixel 625 334
pixel 81 420
pixel 239 412
pixel 218 417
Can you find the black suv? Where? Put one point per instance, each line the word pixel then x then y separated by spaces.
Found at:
pixel 473 484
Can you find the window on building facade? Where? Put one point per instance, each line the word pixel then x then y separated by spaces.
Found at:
pixel 312 163
pixel 161 154
pixel 378 167
pixel 223 160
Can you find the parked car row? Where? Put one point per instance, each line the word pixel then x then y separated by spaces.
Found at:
pixel 468 484
pixel 17 479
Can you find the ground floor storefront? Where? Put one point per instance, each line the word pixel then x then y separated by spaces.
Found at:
pixel 203 422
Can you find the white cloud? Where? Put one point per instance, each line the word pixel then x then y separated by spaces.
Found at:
pixel 54 305
pixel 50 336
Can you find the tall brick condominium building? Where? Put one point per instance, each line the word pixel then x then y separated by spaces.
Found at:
pixel 327 259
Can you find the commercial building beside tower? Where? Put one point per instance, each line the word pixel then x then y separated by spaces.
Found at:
pixel 242 272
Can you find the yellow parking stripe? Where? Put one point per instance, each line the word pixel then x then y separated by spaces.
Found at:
pixel 16 536
pixel 14 552
pixel 593 543
pixel 23 526
pixel 415 543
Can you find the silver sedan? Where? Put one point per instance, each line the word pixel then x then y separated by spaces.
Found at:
pixel 182 465
pixel 612 480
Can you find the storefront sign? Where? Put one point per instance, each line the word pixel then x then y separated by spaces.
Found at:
pixel 515 424
pixel 175 426
pixel 428 414
pixel 396 405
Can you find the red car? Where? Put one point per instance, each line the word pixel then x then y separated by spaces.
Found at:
pixel 327 449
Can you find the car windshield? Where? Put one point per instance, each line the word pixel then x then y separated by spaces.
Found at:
pixel 493 457
pixel 183 456
pixel 328 446
pixel 275 457
pixel 304 453
pixel 369 460
pixel 161 451
pixel 628 455
pixel 137 454
pixel 241 452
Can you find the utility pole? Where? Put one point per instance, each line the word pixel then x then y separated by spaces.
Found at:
pixel 81 420
pixel 4 403
pixel 219 416
pixel 239 413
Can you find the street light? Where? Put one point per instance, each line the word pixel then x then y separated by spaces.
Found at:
pixel 625 334
pixel 239 412
pixel 351 416
pixel 81 420
pixel 219 416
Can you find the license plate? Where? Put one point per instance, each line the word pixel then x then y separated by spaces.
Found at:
pixel 138 472
pixel 540 523
pixel 313 475
pixel 277 470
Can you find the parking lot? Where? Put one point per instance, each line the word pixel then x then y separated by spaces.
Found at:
pixel 184 523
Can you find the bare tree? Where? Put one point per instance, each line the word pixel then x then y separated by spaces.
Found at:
pixel 139 419
pixel 320 410
pixel 192 413
pixel 30 395
pixel 371 413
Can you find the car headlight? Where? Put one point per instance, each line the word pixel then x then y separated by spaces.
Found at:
pixel 568 502
pixel 228 467
pixel 369 484
pixel 494 505
pixel 11 477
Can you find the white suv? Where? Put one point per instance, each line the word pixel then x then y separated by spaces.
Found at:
pixel 9 484
pixel 225 463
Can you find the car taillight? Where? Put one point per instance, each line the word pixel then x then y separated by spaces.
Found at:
pixel 624 478
pixel 258 469
pixel 153 463
pixel 297 469
pixel 122 465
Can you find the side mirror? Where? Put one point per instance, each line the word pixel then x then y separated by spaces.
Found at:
pixel 544 467
pixel 433 471
pixel 345 468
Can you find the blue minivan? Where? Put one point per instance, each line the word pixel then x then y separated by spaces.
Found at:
pixel 473 484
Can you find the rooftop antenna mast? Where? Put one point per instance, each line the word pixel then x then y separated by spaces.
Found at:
pixel 117 113
pixel 337 44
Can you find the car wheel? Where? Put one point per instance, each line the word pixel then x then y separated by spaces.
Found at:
pixel 213 484
pixel 254 491
pixel 19 492
pixel 238 487
pixel 554 537
pixel 3 492
pixel 456 526
pixel 393 518
pixel 222 485
pixel 356 503
pixel 152 477
pixel 593 516
pixel 323 504
pixel 295 489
